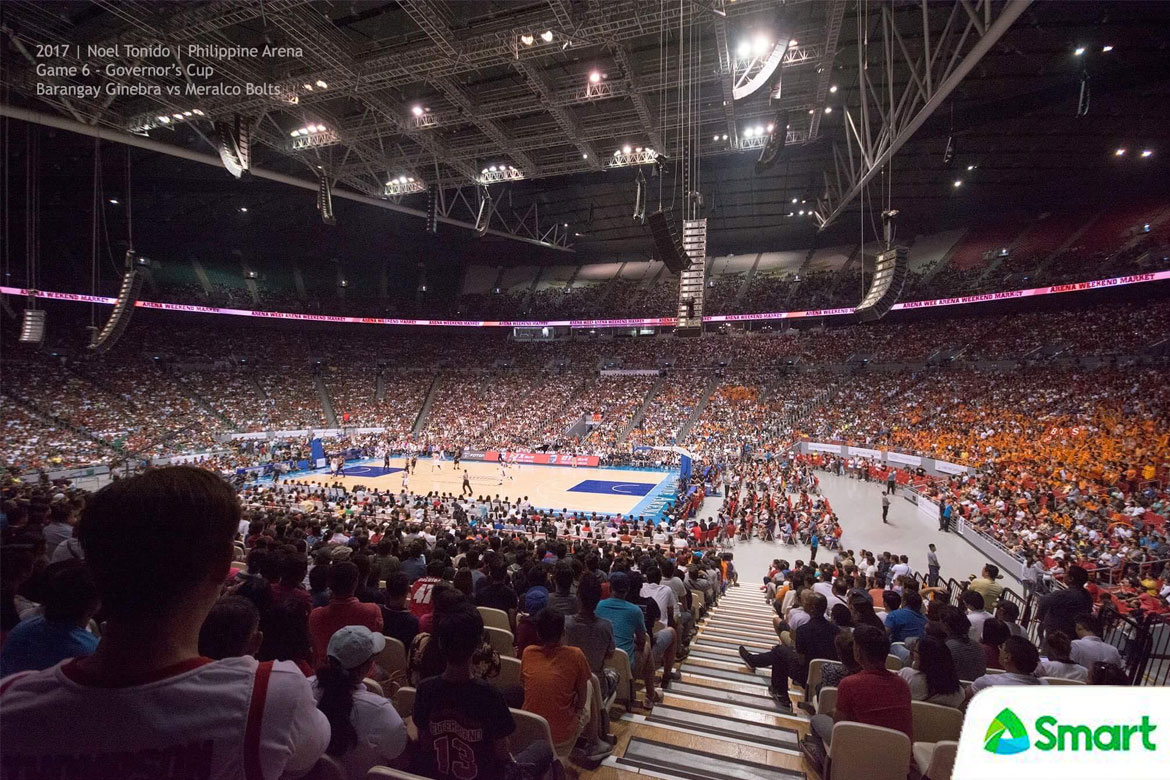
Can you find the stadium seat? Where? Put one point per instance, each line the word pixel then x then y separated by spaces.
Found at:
pixel 620 663
pixel 404 701
pixel 827 701
pixel 495 618
pixel 1061 681
pixel 392 658
pixel 386 773
pixel 509 673
pixel 996 671
pixel 859 750
pixel 935 723
pixel 893 662
pixel 530 728
pixel 501 641
pixel 935 760
pixel 326 768
pixel 815 667
pixel 373 686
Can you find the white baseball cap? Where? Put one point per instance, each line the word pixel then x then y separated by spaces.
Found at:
pixel 352 646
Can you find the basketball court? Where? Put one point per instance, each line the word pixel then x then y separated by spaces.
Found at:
pixel 626 491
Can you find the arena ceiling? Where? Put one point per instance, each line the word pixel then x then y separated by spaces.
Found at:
pixel 440 91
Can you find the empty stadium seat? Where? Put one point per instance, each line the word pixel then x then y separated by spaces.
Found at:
pixel 495 618
pixel 501 641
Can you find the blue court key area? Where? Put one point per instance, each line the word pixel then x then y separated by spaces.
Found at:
pixel 369 471
pixel 613 488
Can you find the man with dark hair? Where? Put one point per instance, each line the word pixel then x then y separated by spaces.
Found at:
pixel 1088 648
pixel 342 610
pixel 906 621
pixel 814 639
pixel 463 723
pixel 1058 610
pixel 629 626
pixel 1019 659
pixel 1009 613
pixel 874 695
pixel 70 601
pixel 159 546
pixel 497 593
pixel 231 629
pixel 557 687
pixel 976 614
pixel 397 620
pixel 987 587
pixel 562 599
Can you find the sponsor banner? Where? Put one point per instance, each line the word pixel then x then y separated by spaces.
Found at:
pixel 1071 732
pixel 864 452
pixel 816 446
pixel 544 458
pixel 629 372
pixel 608 323
pixel 946 467
pixel 903 458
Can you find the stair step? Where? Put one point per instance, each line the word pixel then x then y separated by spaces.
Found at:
pixel 727 633
pixel 723 674
pixel 691 764
pixel 720 726
pixel 761 701
pixel 714 641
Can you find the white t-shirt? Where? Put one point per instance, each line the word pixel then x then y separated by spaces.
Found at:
pixel 664 596
pixel 381 734
pixel 1063 670
pixel 194 716
pixel 1091 649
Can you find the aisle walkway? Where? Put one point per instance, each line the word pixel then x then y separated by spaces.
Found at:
pixel 717 721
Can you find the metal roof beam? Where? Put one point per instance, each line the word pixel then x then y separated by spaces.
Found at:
pixel 564 119
pixel 835 15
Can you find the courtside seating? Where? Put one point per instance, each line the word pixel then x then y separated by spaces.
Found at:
pixel 501 641
pixel 495 618
pixel 871 752
pixel 935 723
pixel 936 761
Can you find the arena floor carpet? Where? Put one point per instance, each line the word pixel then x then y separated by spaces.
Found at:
pixel 630 491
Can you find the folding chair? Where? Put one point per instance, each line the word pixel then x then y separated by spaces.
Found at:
pixel 501 641
pixel 620 663
pixel 935 761
pixel 875 753
pixel 495 618
pixel 935 722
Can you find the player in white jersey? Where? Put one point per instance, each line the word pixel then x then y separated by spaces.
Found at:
pixel 437 459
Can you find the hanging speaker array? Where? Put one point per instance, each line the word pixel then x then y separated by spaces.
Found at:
pixel 325 199
pixel 105 339
pixel 433 209
pixel 233 142
pixel 889 274
pixel 666 241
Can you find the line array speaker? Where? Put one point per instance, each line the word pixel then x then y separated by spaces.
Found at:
pixel 889 274
pixel 666 241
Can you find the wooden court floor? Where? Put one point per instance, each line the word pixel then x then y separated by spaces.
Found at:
pixel 548 487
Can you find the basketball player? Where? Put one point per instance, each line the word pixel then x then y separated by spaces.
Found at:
pixel 405 480
pixel 386 458
pixel 436 459
pixel 466 485
pixel 503 471
pixel 413 462
pixel 458 455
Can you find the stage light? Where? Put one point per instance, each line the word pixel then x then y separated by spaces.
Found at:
pixel 802 212
pixel 725 136
pixel 244 209
pixel 492 168
pixel 594 77
pixel 958 182
pixel 546 36
pixel 526 39
pixel 1119 152
pixel 970 167
pixel 322 84
pixel 416 110
pixel 759 130
pixel 616 152
pixel 716 138
pixel 308 87
pixel 833 88
pixel 164 119
pixel 761 45
pixel 177 116
pixel 828 109
pixel 186 113
pixel 812 111
pixel 747 132
pixel 1080 50
pixel 483 171
pixel 564 224
pixel 626 149
pixel 744 50
pixel 791 43
pixel 1147 152
pixel 794 200
pixel 114 201
pixel 1106 49
pixel 584 156
pixel 197 112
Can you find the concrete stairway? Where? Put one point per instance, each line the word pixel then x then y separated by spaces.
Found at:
pixel 421 419
pixel 326 401
pixel 718 721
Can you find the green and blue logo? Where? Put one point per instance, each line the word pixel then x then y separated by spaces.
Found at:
pixel 1006 735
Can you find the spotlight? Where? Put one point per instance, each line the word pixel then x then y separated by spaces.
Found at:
pixel 483 171
pixel 794 200
pixel 186 113
pixel 244 209
pixel 492 169
pixel 744 50
pixel 1147 152
pixel 197 112
pixel 802 212
pixel 637 149
pixel 526 39
pixel 725 136
pixel 309 87
pixel 792 43
pixel 322 84
pixel 164 119
pixel 626 149
pixel 114 201
pixel 958 182
pixel 828 109
pixel 594 77
pixel 616 152
pixel 546 36
pixel 759 130
pixel 760 46
pixel 970 167
pixel 584 156
pixel 1106 49
pixel 1119 152
pixel 1080 50
pixel 833 88
pixel 716 138
pixel 177 116
pixel 812 111
pixel 416 110
pixel 747 132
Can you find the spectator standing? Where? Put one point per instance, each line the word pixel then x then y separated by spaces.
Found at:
pixel 1088 648
pixel 987 587
pixel 1058 611
pixel 932 566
